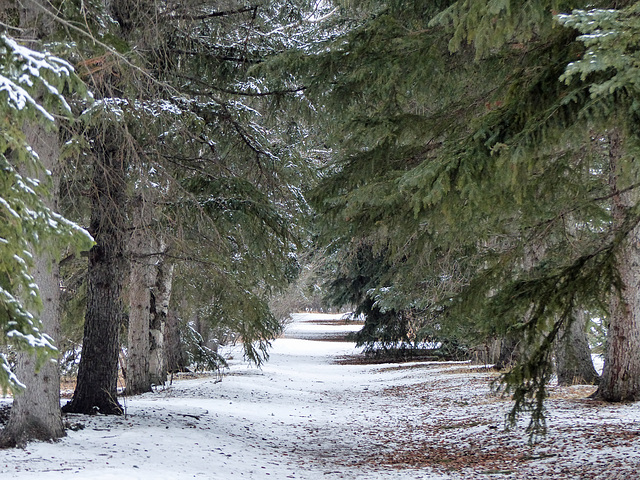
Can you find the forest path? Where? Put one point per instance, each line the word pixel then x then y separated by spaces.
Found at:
pixel 306 415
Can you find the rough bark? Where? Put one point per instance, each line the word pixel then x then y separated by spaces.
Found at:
pixel 35 413
pixel 158 319
pixel 621 374
pixel 573 355
pixel 175 359
pixel 96 390
pixel 141 281
pixel 149 295
pixel 509 352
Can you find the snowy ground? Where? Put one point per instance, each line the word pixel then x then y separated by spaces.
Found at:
pixel 306 416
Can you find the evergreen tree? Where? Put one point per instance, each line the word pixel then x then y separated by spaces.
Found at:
pixel 181 105
pixel 608 67
pixel 29 226
pixel 34 235
pixel 488 179
pixel 357 276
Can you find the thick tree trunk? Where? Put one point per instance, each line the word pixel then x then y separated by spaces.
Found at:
pixel 96 390
pixel 621 375
pixel 159 312
pixel 573 355
pixel 141 281
pixel 35 413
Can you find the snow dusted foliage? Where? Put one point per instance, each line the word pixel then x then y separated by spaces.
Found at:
pixel 30 90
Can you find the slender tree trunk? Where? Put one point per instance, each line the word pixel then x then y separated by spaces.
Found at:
pixel 149 295
pixel 160 310
pixel 96 390
pixel 621 375
pixel 175 360
pixel 35 413
pixel 574 364
pixel 573 355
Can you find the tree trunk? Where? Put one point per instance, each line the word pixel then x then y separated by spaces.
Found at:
pixel 141 280
pixel 513 347
pixel 175 360
pixel 573 356
pixel 159 312
pixel 96 390
pixel 621 375
pixel 509 352
pixel 35 413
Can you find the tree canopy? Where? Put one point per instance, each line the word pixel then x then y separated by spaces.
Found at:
pixel 477 147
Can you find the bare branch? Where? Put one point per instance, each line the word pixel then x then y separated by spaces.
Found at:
pixel 204 16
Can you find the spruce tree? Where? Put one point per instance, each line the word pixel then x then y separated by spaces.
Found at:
pixel 29 226
pixel 215 170
pixel 34 235
pixel 608 67
pixel 460 143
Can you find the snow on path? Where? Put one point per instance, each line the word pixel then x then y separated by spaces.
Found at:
pixel 304 416
pixel 296 417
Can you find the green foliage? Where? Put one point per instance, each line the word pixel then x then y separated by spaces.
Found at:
pixel 199 354
pixel 28 227
pixel 609 68
pixel 226 303
pixel 459 152
pixel 597 335
pixel 611 38
pixel 489 25
pixel 359 274
pixel 218 166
